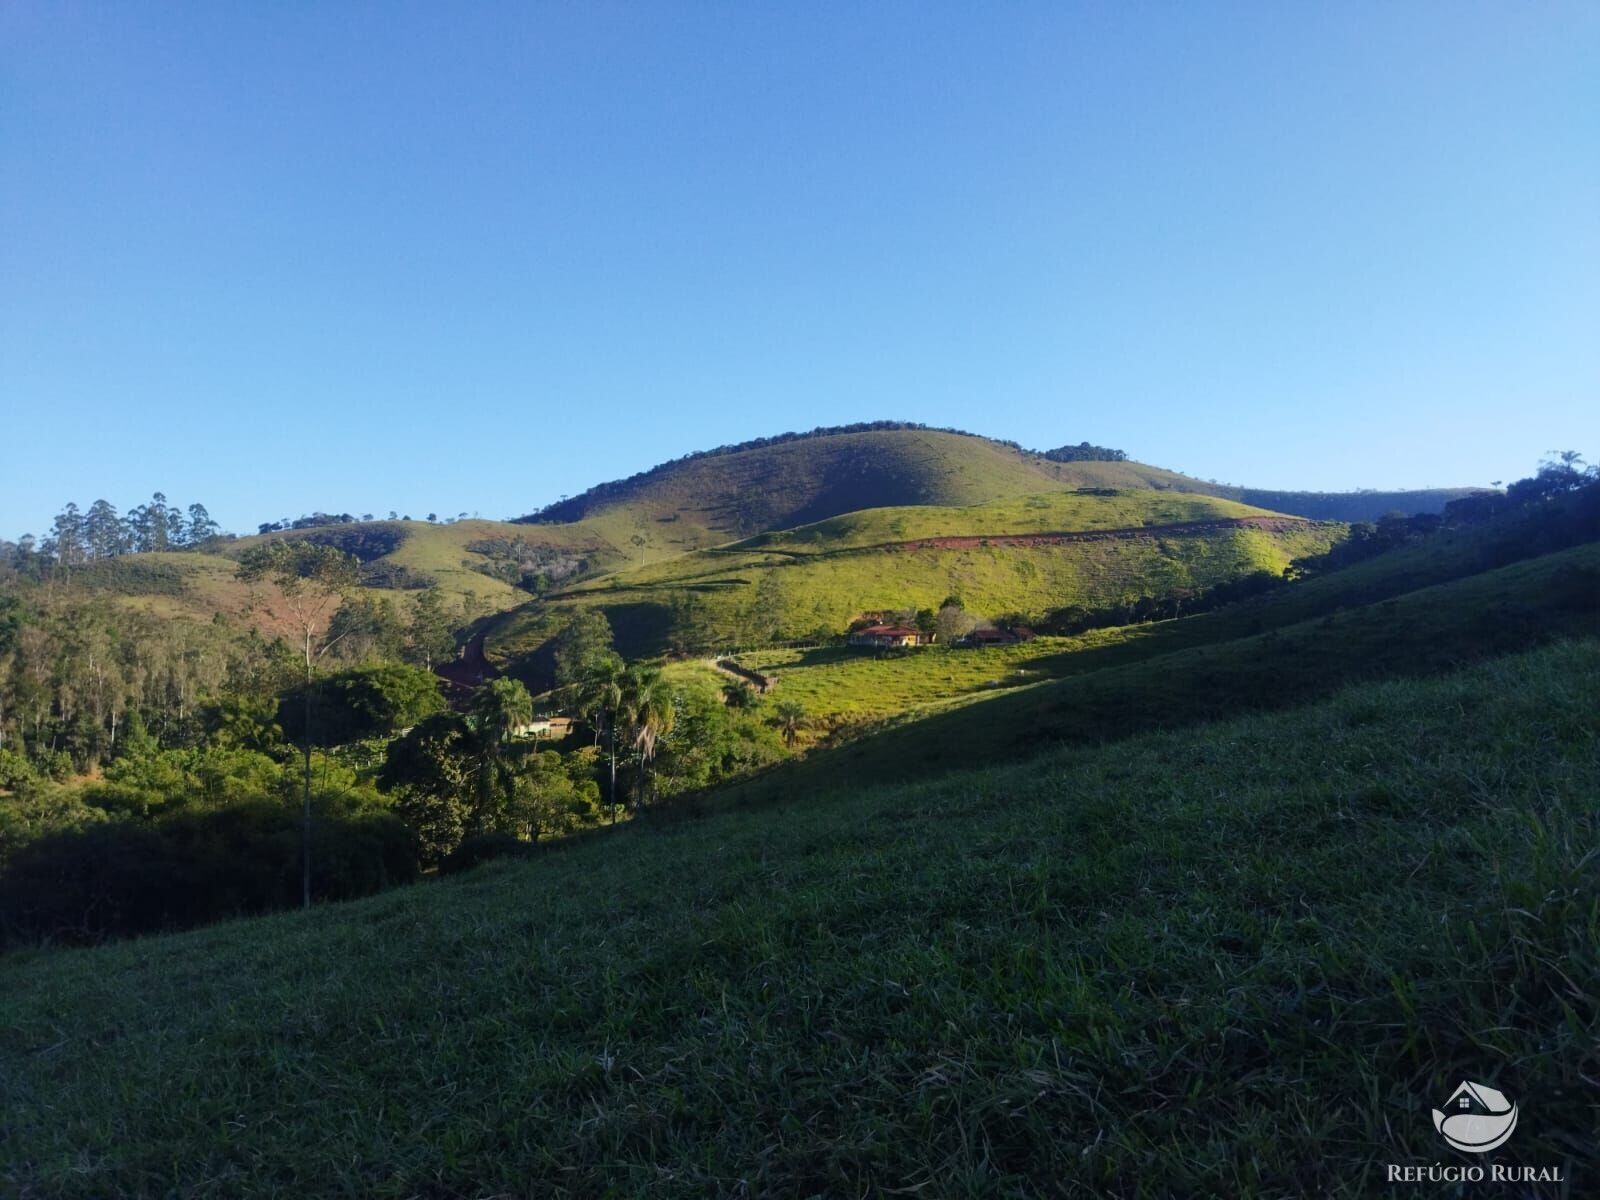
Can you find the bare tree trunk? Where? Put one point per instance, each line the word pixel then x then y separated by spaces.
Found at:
pixel 305 820
pixel 611 737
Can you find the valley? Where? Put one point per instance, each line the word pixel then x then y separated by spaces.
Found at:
pixel 1288 729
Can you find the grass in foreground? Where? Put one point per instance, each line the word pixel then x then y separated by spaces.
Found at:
pixel 1241 960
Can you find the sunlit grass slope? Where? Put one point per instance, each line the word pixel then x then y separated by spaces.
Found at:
pixel 716 600
pixel 840 687
pixel 1116 682
pixel 1048 512
pixel 1245 959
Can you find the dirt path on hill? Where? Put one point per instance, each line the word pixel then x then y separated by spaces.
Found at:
pixel 1180 529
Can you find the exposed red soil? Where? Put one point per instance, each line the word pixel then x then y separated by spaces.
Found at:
pixel 1186 528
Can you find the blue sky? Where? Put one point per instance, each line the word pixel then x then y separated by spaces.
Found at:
pixel 451 258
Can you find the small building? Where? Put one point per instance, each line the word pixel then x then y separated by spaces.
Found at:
pixel 542 727
pixel 980 638
pixel 885 637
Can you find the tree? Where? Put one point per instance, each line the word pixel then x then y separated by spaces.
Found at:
pixel 586 639
pixel 597 696
pixel 431 769
pixel 66 537
pixel 366 627
pixel 310 580
pixel 736 693
pixel 499 708
pixel 367 702
pixel 103 530
pixel 790 713
pixel 430 639
pixel 201 527
pixel 645 713
pixel 953 621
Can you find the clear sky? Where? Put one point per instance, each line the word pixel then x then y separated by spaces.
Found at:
pixel 470 257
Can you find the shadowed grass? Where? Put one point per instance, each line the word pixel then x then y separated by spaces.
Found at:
pixel 1244 959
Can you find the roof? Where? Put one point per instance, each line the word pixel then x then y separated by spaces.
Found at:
pixel 888 631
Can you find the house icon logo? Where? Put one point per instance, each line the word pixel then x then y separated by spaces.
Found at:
pixel 1475 1118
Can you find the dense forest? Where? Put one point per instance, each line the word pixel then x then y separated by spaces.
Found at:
pixel 157 773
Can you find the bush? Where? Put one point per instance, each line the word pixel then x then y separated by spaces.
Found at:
pixel 480 848
pixel 15 771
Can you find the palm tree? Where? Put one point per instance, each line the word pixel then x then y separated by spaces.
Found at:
pixel 499 708
pixel 790 714
pixel 646 712
pixel 598 695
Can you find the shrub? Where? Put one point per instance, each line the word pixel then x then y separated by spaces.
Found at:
pixel 480 848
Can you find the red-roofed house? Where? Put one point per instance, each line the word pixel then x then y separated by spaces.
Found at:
pixel 883 637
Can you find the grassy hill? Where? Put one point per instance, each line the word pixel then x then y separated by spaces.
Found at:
pixel 841 688
pixel 1244 959
pixel 1112 683
pixel 834 491
pixel 1082 509
pixel 829 493
pixel 720 496
pixel 716 498
pixel 803 584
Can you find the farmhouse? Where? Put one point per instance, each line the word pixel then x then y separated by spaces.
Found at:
pixel 551 727
pixel 883 637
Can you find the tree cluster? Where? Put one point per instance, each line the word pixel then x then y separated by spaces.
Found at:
pixel 523 564
pixel 77 536
pixel 1084 452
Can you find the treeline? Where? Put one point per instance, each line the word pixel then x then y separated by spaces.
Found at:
pixel 1084 452
pixel 77 536
pixel 1558 506
pixel 320 520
